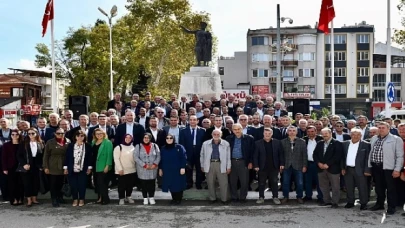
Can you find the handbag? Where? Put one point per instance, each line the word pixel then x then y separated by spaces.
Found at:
pixel 66 189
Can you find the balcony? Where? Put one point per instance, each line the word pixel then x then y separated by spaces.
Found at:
pixel 286 63
pixel 286 47
pixel 286 79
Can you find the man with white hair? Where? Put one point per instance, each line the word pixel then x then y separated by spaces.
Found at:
pixel 68 114
pixel 215 161
pixel 302 128
pixel 5 134
pixel 278 111
pixel 53 120
pixel 355 164
pixel 328 157
pixel 162 120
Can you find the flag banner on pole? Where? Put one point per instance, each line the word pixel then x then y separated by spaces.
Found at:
pixel 327 14
pixel 48 16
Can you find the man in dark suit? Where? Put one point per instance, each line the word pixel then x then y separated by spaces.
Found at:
pixel 142 119
pixel 311 176
pixel 267 123
pixel 133 105
pixel 5 131
pixel 183 104
pixel 339 135
pixel 111 103
pixel 355 164
pixel 328 156
pixel 158 135
pixel 268 160
pixel 129 127
pixel 191 138
pixel 246 110
pixel 83 125
pixel 296 162
pixel 102 124
pixel 46 133
pixel 174 128
pixel 217 125
pixel 206 115
pixel 242 148
pixel 278 111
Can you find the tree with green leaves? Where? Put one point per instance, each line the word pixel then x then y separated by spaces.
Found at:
pixel 148 48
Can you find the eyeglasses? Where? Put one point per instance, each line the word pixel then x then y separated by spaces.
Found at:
pixel 15 134
pixel 59 133
pixel 169 138
pixel 160 112
pixel 229 123
pixel 31 133
pixel 205 122
pixel 339 126
pixel 81 135
pixel 242 119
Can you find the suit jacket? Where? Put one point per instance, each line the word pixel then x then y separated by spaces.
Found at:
pixel 332 157
pixel 366 132
pixel 260 133
pixel 146 121
pixel 135 110
pixel 109 130
pixel 345 136
pixel 317 139
pixel 49 134
pixel 137 132
pixel 254 110
pixel 282 113
pixel 161 137
pixel 260 155
pixel 69 161
pixel 393 148
pixel 361 163
pixel 301 134
pixel 182 105
pixel 24 155
pixel 247 110
pixel 9 135
pixel 208 133
pixel 251 131
pixel 297 157
pixel 394 131
pixel 167 128
pixel 247 146
pixel 186 141
pixel 224 156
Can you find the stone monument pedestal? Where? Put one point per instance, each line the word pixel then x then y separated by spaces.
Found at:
pixel 203 81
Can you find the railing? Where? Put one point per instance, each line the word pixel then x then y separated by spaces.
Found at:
pixel 383 99
pixel 284 63
pixel 382 84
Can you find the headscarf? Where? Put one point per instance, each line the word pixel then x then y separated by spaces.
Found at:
pixel 173 144
pixel 150 138
pixel 125 143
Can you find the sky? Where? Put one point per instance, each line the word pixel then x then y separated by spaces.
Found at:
pixel 20 21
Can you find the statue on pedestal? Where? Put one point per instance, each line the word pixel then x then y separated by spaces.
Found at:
pixel 203 44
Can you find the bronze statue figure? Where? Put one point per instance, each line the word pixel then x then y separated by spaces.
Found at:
pixel 203 44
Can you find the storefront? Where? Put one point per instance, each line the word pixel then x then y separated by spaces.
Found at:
pixel 377 107
pixel 31 113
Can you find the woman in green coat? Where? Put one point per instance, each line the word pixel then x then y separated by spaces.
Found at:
pixel 53 160
pixel 102 156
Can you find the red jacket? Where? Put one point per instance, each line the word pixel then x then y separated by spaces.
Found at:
pixel 9 157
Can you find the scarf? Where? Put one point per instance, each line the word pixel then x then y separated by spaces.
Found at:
pixel 147 147
pixel 60 141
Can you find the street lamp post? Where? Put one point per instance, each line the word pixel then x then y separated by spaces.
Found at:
pixel 278 81
pixel 113 13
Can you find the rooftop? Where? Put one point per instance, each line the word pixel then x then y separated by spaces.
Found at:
pixel 28 72
pixel 14 79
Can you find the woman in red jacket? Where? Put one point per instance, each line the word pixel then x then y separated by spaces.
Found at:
pixel 10 164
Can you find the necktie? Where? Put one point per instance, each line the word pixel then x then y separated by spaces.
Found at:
pixel 193 134
pixel 42 134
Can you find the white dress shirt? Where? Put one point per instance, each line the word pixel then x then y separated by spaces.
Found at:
pixel 142 121
pixel 339 137
pixel 363 132
pixel 34 148
pixel 154 133
pixel 199 114
pixel 352 153
pixel 260 111
pixel 86 130
pixel 310 148
pixel 130 128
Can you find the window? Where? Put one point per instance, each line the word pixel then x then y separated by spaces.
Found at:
pixel 339 72
pixel 362 89
pixel 362 55
pixel 306 72
pixel 221 70
pixel 363 71
pixel 306 89
pixel 379 80
pixel 260 40
pixel 288 73
pixel 17 92
pixel 339 89
pixel 363 38
pixel 339 56
pixel 261 73
pixel 31 93
pixel 259 57
pixel 289 40
pixel 339 39
pixel 307 56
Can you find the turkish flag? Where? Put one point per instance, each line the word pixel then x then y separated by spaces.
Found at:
pixel 48 15
pixel 327 14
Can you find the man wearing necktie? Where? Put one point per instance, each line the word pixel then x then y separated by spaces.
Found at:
pixel 191 138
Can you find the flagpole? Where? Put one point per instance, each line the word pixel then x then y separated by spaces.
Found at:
pixel 332 66
pixel 388 61
pixel 53 83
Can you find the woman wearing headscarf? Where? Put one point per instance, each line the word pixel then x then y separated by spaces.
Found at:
pixel 172 169
pixel 125 169
pixel 147 158
pixel 78 165
pixel 10 164
pixel 29 156
pixel 54 158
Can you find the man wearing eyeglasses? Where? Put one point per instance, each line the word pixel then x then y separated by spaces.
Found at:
pixel 162 120
pixel 218 126
pixel 259 109
pixel 102 124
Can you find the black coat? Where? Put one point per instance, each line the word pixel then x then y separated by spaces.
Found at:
pixel 161 137
pixel 259 156
pixel 260 133
pixel 24 155
pixel 247 146
pixel 88 159
pixel 137 132
pixel 109 130
pixel 345 136
pixel 333 156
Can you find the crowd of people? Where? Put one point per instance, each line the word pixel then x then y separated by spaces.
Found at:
pixel 232 142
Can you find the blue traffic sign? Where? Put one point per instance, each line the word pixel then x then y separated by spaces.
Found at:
pixel 390 92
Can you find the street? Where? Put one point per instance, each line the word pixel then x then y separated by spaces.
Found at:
pixel 193 214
